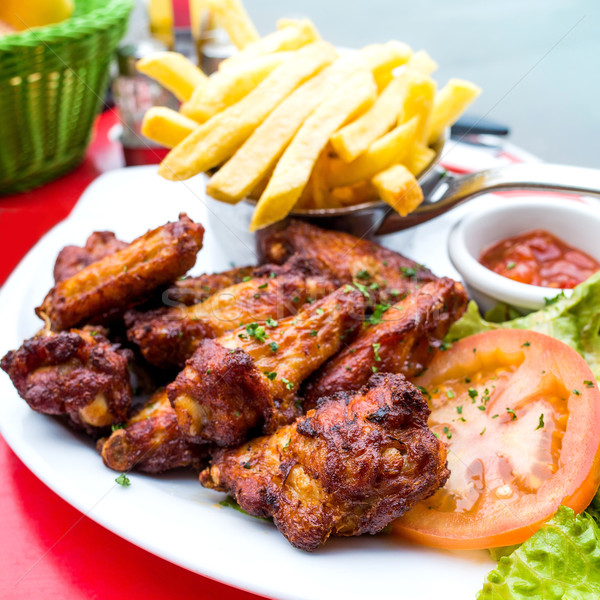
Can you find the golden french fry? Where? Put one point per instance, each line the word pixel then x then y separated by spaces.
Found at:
pixel 295 165
pixel 422 63
pixel 449 103
pixel 232 16
pixel 350 195
pixel 398 187
pixel 318 179
pixel 419 159
pixel 386 57
pixel 388 150
pixel 355 138
pixel 166 126
pixel 418 102
pixel 213 142
pixel 225 88
pixel 173 71
pixel 295 34
pixel 236 178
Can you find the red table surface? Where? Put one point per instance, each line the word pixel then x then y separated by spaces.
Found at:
pixel 46 545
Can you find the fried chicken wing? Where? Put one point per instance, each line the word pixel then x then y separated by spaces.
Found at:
pixel 387 274
pixel 167 337
pixel 402 342
pixel 193 290
pixel 120 279
pixel 77 373
pixel 72 259
pixel 151 441
pixel 248 379
pixel 348 467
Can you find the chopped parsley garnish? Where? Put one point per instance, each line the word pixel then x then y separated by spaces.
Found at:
pixel 540 422
pixel 483 431
pixel 450 393
pixel 270 375
pixel 481 407
pixel 257 332
pixel 271 322
pixel 295 299
pixel 288 384
pixel 256 296
pixel 287 444
pixel 511 265
pixel 208 371
pixel 263 286
pixel 123 480
pixel 118 426
pixel 362 289
pixel 242 336
pixel 375 318
pixel 526 345
pixel 577 392
pixel 374 286
pixel 512 413
pixel 445 346
pixel 448 433
pixel 473 393
pixel 271 275
pixel 247 278
pixel 554 300
pixel 247 465
pixel 274 346
pixel 459 409
pixel 424 392
pixel 376 352
pixel 589 384
pixel 408 272
pixel 319 311
pixel 374 369
pixel 313 333
pixel 495 416
pixel 363 274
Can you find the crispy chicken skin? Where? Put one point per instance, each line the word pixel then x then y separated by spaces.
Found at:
pixel 72 259
pixel 193 290
pixel 150 441
pixel 386 273
pixel 124 277
pixel 167 337
pixel 402 342
pixel 248 379
pixel 348 467
pixel 77 373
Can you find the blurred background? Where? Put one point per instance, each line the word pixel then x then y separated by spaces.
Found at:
pixel 537 61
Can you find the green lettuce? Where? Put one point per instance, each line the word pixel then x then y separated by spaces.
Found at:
pixel 560 562
pixel 574 320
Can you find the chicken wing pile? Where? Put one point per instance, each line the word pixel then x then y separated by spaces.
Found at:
pixel 310 350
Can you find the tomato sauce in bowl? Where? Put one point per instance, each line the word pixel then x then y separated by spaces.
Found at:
pixel 539 258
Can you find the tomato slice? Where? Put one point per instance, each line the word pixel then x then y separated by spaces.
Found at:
pixel 520 413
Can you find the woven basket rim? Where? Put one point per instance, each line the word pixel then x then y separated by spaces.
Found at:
pixel 98 19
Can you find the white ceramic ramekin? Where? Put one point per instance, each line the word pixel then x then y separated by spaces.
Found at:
pixel 576 223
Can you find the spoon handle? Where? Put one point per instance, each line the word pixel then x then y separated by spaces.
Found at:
pixel 448 191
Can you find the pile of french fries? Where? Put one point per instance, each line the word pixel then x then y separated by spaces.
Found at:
pixel 294 123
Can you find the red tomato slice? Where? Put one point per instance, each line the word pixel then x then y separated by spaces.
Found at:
pixel 520 413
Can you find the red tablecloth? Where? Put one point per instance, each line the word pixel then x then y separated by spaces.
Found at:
pixel 47 547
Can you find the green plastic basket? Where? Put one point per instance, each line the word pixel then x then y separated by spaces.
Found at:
pixel 52 83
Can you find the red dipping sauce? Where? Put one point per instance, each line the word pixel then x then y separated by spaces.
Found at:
pixel 539 258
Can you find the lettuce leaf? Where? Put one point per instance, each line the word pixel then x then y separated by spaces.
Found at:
pixel 574 320
pixel 560 562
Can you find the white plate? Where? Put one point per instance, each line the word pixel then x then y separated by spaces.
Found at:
pixel 172 516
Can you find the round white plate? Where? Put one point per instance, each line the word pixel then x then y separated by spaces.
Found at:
pixel 172 516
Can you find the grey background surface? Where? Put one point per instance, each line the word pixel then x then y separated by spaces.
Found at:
pixel 538 61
